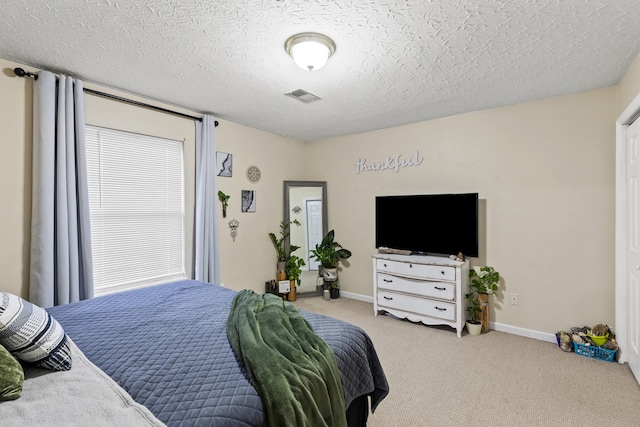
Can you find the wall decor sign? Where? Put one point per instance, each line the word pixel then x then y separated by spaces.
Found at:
pixel 224 164
pixel 391 163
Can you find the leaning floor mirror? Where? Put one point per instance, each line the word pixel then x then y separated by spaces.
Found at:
pixel 306 202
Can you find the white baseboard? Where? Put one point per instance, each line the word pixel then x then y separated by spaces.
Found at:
pixel 358 297
pixel 515 330
pixel 529 333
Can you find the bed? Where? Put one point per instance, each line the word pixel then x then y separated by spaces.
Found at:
pixel 167 347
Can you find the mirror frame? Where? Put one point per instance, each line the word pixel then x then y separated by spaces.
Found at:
pixel 287 216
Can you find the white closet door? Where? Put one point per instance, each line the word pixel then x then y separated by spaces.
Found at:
pixel 314 228
pixel 633 291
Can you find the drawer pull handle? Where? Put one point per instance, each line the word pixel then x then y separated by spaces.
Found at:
pixel 441 309
pixel 384 265
pixel 388 298
pixel 440 289
pixel 410 265
pixel 387 280
pixel 442 272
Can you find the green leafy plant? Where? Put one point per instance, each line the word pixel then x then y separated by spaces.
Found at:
pixel 473 307
pixel 224 199
pixel 486 281
pixel 333 285
pixel 329 253
pixel 279 243
pixel 293 268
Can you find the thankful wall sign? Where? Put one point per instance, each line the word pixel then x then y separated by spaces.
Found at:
pixel 394 163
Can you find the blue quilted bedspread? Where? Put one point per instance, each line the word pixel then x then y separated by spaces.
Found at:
pixel 167 347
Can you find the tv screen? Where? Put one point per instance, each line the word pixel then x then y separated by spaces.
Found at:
pixel 434 224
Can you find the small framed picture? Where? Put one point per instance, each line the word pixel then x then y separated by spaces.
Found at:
pixel 224 164
pixel 283 286
pixel 248 201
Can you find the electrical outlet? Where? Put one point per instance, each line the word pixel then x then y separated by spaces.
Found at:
pixel 514 299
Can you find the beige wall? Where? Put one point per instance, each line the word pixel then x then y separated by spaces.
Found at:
pixel 104 112
pixel 251 260
pixel 629 86
pixel 544 172
pixel 15 176
pixel 247 263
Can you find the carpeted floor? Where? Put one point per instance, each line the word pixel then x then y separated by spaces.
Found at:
pixel 495 379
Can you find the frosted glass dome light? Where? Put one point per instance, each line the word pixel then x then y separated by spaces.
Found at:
pixel 310 51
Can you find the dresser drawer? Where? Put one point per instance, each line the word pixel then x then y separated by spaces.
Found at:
pixel 441 310
pixel 441 290
pixel 434 272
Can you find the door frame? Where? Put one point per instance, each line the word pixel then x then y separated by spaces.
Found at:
pixel 631 113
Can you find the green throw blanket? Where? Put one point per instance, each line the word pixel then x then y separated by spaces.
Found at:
pixel 291 367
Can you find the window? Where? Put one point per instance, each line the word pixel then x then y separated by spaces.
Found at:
pixel 136 200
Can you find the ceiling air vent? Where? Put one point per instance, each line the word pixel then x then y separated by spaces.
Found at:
pixel 303 95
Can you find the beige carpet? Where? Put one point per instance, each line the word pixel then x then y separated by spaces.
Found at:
pixel 495 379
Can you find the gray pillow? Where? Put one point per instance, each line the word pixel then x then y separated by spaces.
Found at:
pixel 32 335
pixel 11 376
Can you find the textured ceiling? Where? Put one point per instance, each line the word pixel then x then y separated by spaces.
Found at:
pixel 396 62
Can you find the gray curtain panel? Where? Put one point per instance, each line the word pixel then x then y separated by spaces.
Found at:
pixel 61 265
pixel 207 258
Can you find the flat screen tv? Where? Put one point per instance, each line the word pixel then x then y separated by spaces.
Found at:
pixel 429 224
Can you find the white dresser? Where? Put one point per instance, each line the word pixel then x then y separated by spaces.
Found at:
pixel 425 289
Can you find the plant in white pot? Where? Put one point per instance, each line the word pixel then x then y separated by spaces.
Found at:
pixel 474 325
pixel 329 253
pixel 484 282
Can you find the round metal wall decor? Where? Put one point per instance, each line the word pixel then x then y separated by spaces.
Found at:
pixel 253 174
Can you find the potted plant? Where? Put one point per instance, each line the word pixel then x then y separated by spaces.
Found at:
pixel 279 244
pixel 294 270
pixel 329 253
pixel 474 326
pixel 484 282
pixel 333 286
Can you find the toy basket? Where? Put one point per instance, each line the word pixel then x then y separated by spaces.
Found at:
pixel 594 352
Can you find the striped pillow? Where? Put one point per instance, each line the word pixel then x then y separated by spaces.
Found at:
pixel 32 335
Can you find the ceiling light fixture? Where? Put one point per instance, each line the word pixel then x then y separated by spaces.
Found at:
pixel 310 50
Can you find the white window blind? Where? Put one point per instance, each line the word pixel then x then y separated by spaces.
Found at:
pixel 137 209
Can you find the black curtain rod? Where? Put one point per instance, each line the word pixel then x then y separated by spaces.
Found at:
pixel 22 73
